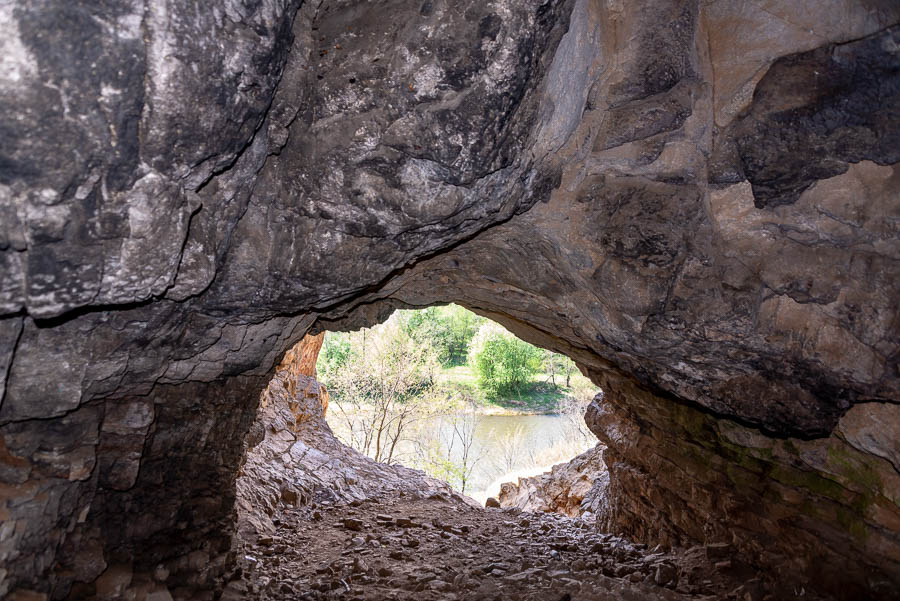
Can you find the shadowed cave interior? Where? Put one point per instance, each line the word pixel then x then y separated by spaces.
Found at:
pixel 696 202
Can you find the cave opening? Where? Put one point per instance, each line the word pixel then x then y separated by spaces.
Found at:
pixel 456 395
pixel 319 517
pixel 362 476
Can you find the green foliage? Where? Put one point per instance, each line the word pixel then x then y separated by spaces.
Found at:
pixel 504 364
pixel 384 364
pixel 409 390
pixel 336 351
pixel 429 327
pixel 502 369
pixel 380 379
pixel 463 325
pixel 447 330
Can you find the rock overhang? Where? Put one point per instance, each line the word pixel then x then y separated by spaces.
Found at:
pixel 629 236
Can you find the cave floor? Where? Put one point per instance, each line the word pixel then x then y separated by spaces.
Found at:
pixel 403 547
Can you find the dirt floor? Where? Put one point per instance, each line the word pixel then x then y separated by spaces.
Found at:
pixel 319 521
pixel 402 547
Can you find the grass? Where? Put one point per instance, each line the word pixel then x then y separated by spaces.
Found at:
pixel 459 376
pixel 540 396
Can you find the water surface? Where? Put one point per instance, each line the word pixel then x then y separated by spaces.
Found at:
pixel 503 447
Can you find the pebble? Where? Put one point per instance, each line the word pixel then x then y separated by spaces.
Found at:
pixel 446 552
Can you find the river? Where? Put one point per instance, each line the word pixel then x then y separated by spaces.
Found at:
pixel 503 447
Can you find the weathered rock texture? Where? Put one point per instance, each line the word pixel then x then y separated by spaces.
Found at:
pixel 568 488
pixel 402 546
pixel 826 509
pixel 294 459
pixel 698 201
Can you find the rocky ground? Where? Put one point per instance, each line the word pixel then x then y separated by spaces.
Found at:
pixel 319 521
pixel 403 547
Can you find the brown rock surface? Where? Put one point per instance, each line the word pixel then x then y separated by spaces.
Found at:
pixel 367 531
pixel 293 459
pixel 819 513
pixel 561 490
pixel 300 359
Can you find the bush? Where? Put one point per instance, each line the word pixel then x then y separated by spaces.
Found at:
pixel 447 330
pixel 503 363
pixel 336 351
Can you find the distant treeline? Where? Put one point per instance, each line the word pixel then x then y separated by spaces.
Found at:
pixel 417 343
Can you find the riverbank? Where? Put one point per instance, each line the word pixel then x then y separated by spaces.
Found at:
pixel 540 397
pixel 472 451
pixel 498 410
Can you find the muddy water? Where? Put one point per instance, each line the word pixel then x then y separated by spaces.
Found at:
pixel 511 446
pixel 503 447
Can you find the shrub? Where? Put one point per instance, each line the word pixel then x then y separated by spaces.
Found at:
pixel 335 353
pixel 503 363
pixel 448 330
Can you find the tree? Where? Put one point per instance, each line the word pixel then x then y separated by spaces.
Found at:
pixel 447 449
pixel 380 388
pixel 569 367
pixel 430 328
pixel 336 350
pixel 557 365
pixel 512 451
pixel 503 363
pixel 463 325
pixel 464 423
pixel 447 329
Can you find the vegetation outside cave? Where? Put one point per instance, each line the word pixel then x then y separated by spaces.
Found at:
pixel 453 394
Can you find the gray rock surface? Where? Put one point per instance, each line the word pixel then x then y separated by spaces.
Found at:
pixel 671 192
pixel 569 488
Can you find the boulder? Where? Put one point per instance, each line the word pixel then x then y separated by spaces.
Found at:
pixel 561 490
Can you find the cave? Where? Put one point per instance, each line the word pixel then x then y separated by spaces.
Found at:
pixel 697 202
